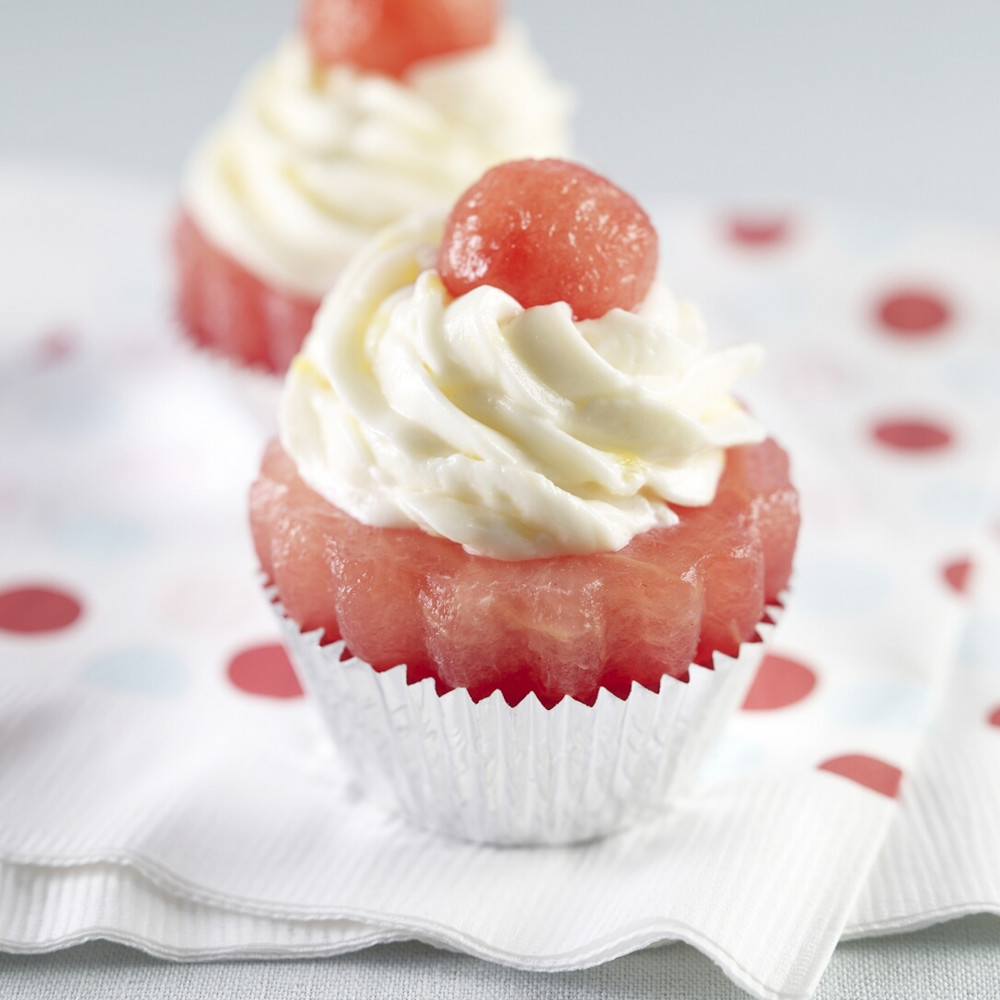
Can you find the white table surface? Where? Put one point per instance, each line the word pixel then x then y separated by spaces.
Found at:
pixel 958 959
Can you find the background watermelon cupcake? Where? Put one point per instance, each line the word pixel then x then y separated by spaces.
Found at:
pixel 522 537
pixel 368 112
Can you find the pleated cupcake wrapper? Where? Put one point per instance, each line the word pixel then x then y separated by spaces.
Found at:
pixel 487 772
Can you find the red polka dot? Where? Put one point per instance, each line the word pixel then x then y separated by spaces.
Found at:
pixel 993 719
pixel 956 574
pixel 913 312
pixel 758 231
pixel 868 771
pixel 56 345
pixel 780 682
pixel 912 435
pixel 37 609
pixel 266 671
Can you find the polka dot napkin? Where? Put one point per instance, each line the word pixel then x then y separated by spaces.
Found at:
pixel 164 783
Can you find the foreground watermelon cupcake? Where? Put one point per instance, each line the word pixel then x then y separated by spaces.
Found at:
pixel 523 540
pixel 369 112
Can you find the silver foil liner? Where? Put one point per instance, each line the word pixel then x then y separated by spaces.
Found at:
pixel 486 772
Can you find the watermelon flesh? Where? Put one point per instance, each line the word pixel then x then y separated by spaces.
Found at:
pixel 225 308
pixel 550 231
pixel 389 36
pixel 562 626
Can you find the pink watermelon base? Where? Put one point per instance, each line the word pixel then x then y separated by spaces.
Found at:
pixel 563 627
pixel 225 308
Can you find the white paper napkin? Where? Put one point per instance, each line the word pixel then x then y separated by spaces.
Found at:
pixel 162 784
pixel 942 857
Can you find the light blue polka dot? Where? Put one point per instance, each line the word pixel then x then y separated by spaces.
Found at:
pixel 75 409
pixel 956 502
pixel 976 377
pixel 103 535
pixel 732 757
pixel 870 234
pixel 885 703
pixel 762 309
pixel 144 670
pixel 143 284
pixel 980 644
pixel 840 585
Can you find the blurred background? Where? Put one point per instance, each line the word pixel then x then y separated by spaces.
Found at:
pixel 892 104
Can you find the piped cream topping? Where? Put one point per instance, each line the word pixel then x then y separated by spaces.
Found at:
pixel 311 162
pixel 518 433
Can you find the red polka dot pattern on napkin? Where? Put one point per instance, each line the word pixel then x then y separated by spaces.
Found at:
pixel 912 434
pixel 780 682
pixel 265 671
pixel 758 231
pixel 867 771
pixel 913 312
pixel 37 609
pixel 809 289
pixel 56 345
pixel 956 574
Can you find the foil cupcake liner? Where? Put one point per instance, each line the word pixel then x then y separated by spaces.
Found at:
pixel 486 772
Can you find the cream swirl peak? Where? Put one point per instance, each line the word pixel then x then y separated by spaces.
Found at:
pixel 310 162
pixel 518 433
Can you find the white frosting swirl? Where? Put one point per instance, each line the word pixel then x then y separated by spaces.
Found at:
pixel 311 162
pixel 515 432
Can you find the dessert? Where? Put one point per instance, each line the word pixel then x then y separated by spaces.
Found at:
pixel 527 499
pixel 368 112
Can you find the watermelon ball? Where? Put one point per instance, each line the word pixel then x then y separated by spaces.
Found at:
pixel 389 36
pixel 550 231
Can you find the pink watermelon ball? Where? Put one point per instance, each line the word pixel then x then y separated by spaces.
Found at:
pixel 550 231
pixel 388 36
pixel 563 626
pixel 230 311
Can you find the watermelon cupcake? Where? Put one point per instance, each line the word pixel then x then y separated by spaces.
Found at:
pixel 523 541
pixel 367 113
